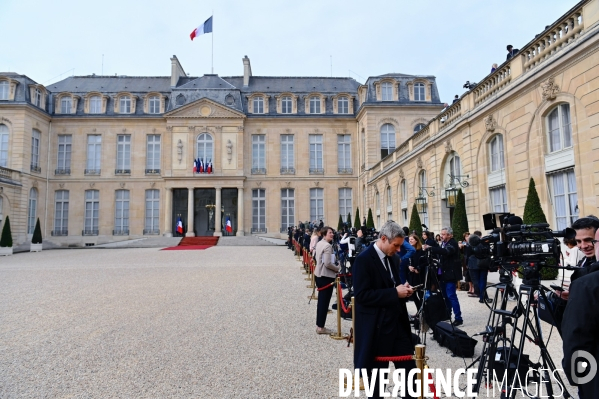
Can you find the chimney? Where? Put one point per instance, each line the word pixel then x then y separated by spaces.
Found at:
pixel 247 71
pixel 176 71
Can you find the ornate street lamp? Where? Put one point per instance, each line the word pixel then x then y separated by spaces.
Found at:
pixel 421 200
pixel 460 179
pixel 451 194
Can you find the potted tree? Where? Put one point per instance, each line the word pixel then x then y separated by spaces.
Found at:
pixel 36 240
pixel 6 239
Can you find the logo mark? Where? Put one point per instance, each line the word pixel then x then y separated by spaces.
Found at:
pixel 583 367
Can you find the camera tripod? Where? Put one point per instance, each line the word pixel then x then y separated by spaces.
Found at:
pixel 510 356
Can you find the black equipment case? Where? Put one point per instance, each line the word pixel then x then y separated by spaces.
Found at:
pixel 456 340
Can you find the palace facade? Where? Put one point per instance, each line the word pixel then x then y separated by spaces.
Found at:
pixel 118 157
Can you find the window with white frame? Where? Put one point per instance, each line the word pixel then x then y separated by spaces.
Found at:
pixel 344 153
pixel 61 212
pixel 32 210
pixel 63 165
pixel 377 209
pixel 153 152
pixel 95 105
pixel 316 204
pixel 343 105
pixel 123 153
pixel 455 167
pixel 286 105
pixel 389 204
pixel 418 127
pixel 94 153
pixel 345 202
pixel 204 147
pixel 154 105
pixel 565 198
pixel 316 162
pixel 419 92
pixel 35 150
pixel 496 152
pixel 65 105
pixel 498 199
pixel 258 105
pixel 92 212
pixel 558 125
pixel 125 105
pixel 121 213
pixel 424 207
pixel 4 87
pixel 3 145
pixel 151 225
pixel 287 207
pixel 387 91
pixel 315 105
pixel 287 156
pixel 403 189
pixel 37 99
pixel 387 139
pixel 258 153
pixel 259 210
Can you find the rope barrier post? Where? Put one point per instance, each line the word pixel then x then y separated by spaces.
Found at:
pixel 312 278
pixel 309 258
pixel 353 320
pixel 338 336
pixel 420 363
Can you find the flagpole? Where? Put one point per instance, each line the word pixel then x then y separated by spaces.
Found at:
pixel 212 57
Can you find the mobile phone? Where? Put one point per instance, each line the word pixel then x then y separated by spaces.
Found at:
pixel 417 287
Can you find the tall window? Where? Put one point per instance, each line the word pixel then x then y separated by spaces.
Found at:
pixel 3 145
pixel 121 213
pixel 424 207
pixel 92 209
pixel 287 208
pixel 403 189
pixel 259 210
pixel 316 164
pixel 315 105
pixel 65 105
pixel 154 105
pixel 95 105
pixel 418 127
pixel 344 153
pixel 343 105
pixel 287 157
pixel 316 204
pixel 32 211
pixel 419 93
pixel 565 198
pixel 496 151
pixel 387 139
pixel 258 153
pixel 387 91
pixel 286 105
pixel 125 105
pixel 377 208
pixel 123 153
pixel 63 165
pixel 258 105
pixel 37 100
pixel 455 166
pixel 61 213
pixel 35 150
pixel 498 199
pixel 151 225
pixel 94 153
pixel 345 202
pixel 389 204
pixel 3 90
pixel 153 153
pixel 560 134
pixel 205 147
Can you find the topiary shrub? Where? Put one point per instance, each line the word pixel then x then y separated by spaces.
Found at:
pixel 357 223
pixel 370 221
pixel 415 222
pixel 37 233
pixel 6 238
pixel 340 224
pixel 459 223
pixel 349 226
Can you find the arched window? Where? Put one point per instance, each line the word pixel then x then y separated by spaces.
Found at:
pixel 32 213
pixel 558 126
pixel 389 204
pixel 315 105
pixel 387 91
pixel 286 105
pixel 95 105
pixel 205 147
pixel 377 204
pixel 180 100
pixel 418 127
pixel 422 181
pixel 454 166
pixel 419 92
pixel 496 153
pixel 3 145
pixel 65 105
pixel 387 139
pixel 125 105
pixel 3 90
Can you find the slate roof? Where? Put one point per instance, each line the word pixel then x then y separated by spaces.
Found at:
pixel 404 98
pixel 22 92
pixel 279 84
pixel 112 84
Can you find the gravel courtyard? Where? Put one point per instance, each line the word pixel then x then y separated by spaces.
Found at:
pixel 143 323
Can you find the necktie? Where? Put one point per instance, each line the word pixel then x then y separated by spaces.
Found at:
pixel 388 267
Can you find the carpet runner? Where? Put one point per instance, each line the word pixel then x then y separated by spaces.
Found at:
pixel 191 243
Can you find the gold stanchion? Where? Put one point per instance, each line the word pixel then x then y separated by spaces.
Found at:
pixel 309 278
pixel 338 336
pixel 420 363
pixel 312 279
pixel 353 339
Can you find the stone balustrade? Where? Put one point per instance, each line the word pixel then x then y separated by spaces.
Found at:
pixel 450 114
pixel 10 174
pixel 493 84
pixel 422 135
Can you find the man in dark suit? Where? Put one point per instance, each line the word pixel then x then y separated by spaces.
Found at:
pixel 382 323
pixel 511 51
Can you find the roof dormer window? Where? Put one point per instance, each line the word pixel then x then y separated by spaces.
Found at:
pixel 95 105
pixel 387 91
pixel 258 105
pixel 419 92
pixel 314 105
pixel 65 105
pixel 125 105
pixel 37 98
pixel 4 86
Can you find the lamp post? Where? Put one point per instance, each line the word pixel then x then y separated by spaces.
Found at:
pixel 421 200
pixel 451 195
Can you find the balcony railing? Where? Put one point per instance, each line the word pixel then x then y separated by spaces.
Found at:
pixel 59 232
pixel 122 171
pixel 258 171
pixel 36 168
pixel 152 171
pixel 258 230
pixel 283 229
pixel 62 171
pixel 120 232
pixel 288 171
pixel 89 232
pixel 345 171
pixel 151 232
pixel 316 171
pixel 92 171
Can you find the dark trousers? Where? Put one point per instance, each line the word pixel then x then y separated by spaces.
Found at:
pixel 479 279
pixel 324 298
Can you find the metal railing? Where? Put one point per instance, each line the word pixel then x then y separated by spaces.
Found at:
pixel 89 232
pixel 59 232
pixel 345 171
pixel 152 171
pixel 62 171
pixel 92 171
pixel 316 171
pixel 288 171
pixel 151 232
pixel 258 171
pixel 120 232
pixel 258 230
pixel 122 171
pixel 36 168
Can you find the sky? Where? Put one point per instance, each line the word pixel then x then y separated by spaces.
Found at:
pixel 454 40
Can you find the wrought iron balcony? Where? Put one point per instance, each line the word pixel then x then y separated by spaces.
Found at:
pixel 89 232
pixel 345 171
pixel 152 171
pixel 288 171
pixel 122 171
pixel 120 232
pixel 258 171
pixel 316 171
pixel 151 232
pixel 92 171
pixel 36 168
pixel 59 232
pixel 62 171
pixel 258 230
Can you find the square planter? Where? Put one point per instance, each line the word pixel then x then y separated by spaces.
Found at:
pixel 5 251
pixel 36 248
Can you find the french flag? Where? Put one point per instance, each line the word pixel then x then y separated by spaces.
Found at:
pixel 206 27
pixel 195 166
pixel 210 166
pixel 229 227
pixel 201 165
pixel 179 226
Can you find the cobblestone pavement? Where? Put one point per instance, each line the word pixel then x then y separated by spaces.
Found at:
pixel 144 323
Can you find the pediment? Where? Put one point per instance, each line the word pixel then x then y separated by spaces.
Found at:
pixel 204 108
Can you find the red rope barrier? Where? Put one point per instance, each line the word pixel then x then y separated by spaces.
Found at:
pixel 326 286
pixel 394 358
pixel 341 301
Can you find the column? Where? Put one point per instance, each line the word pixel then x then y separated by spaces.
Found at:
pixel 190 213
pixel 168 213
pixel 240 211
pixel 218 214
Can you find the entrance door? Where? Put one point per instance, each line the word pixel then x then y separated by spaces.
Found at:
pixel 204 211
pixel 179 210
pixel 229 203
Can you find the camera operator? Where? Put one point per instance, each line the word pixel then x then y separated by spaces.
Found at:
pixel 450 272
pixel 580 328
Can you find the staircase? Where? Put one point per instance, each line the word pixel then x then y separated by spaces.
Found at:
pixel 192 241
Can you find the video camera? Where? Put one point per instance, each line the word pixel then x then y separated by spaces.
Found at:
pixel 370 235
pixel 516 245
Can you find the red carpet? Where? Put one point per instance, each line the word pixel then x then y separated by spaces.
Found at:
pixel 197 243
pixel 187 247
